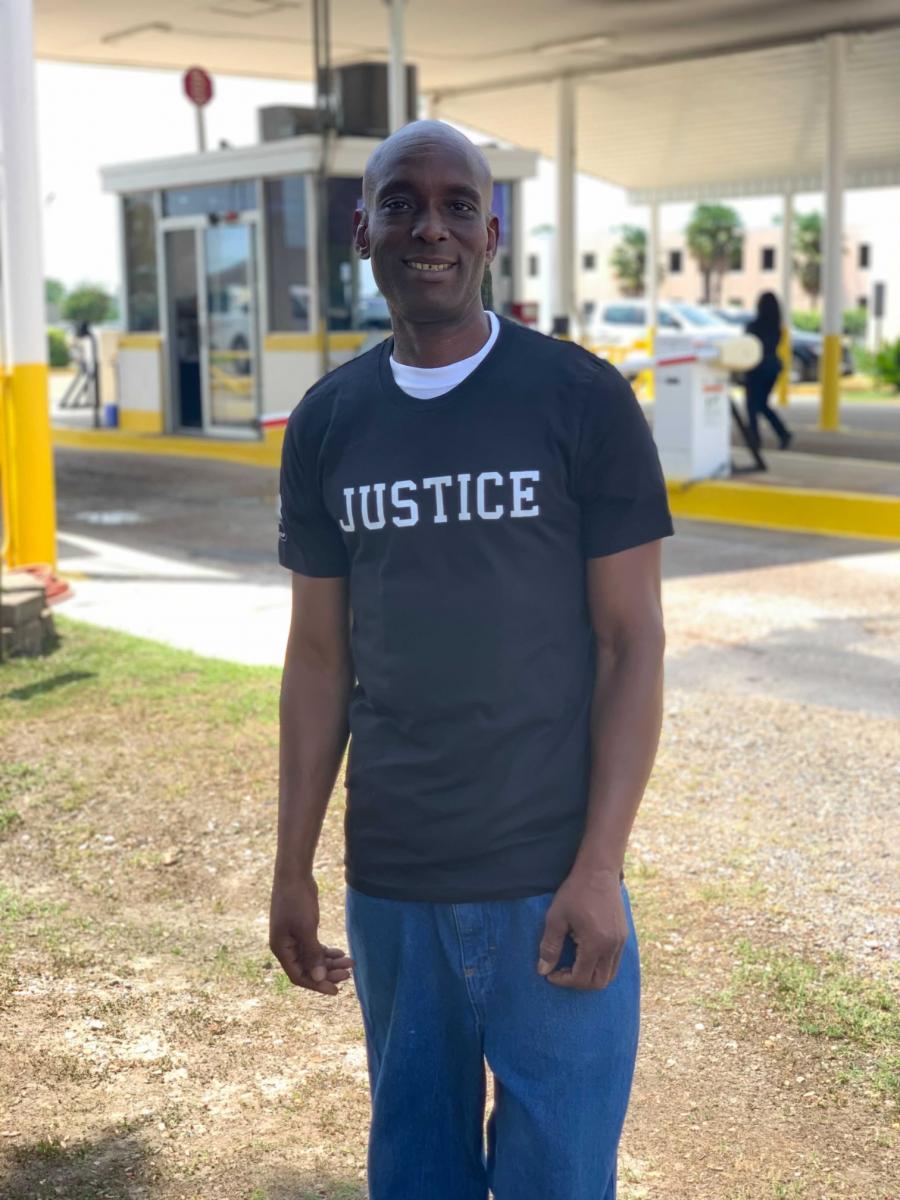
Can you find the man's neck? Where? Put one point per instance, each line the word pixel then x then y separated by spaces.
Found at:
pixel 437 344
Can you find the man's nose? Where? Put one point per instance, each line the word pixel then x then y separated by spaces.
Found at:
pixel 430 226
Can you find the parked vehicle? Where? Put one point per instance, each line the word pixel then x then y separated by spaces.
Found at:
pixel 806 348
pixel 624 322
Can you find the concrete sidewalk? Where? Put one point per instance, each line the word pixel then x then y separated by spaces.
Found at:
pixel 209 610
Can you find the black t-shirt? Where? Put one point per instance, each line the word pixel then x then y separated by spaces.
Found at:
pixel 464 523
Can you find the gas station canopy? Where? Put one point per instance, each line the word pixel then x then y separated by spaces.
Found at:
pixel 677 99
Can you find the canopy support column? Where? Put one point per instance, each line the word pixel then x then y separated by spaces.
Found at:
pixel 397 65
pixel 651 275
pixel 787 275
pixel 836 73
pixel 26 453
pixel 564 281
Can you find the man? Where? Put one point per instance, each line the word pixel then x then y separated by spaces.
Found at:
pixel 472 513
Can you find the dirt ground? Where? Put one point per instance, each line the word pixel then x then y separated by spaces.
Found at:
pixel 150 1048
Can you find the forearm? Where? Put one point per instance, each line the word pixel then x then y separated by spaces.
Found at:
pixel 626 716
pixel 313 713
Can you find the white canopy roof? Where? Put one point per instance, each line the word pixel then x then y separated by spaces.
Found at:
pixel 676 99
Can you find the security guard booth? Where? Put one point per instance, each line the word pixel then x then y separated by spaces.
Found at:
pixel 220 280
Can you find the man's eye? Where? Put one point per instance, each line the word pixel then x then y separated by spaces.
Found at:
pixel 394 205
pixel 463 206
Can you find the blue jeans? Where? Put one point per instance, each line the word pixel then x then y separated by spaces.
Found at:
pixel 444 987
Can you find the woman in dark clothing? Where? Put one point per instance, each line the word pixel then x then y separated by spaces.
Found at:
pixel 766 325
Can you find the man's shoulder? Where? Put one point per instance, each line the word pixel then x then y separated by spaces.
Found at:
pixel 315 409
pixel 572 363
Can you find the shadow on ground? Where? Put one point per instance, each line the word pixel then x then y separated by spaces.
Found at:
pixel 120 1166
pixel 47 685
pixel 114 1166
pixel 288 1185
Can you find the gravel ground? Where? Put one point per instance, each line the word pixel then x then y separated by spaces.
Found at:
pixel 782 737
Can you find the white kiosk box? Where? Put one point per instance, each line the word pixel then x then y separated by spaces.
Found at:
pixel 221 287
pixel 692 410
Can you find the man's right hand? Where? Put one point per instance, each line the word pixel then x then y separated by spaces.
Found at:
pixel 293 937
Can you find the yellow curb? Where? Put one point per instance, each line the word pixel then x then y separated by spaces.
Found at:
pixel 262 453
pixel 797 510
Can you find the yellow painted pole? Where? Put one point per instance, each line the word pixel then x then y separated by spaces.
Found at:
pixel 647 377
pixel 29 502
pixel 830 412
pixel 784 378
pixel 836 74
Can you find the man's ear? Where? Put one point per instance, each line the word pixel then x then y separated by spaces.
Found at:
pixel 493 232
pixel 361 232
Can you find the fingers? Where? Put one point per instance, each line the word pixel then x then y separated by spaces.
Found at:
pixel 555 930
pixel 592 971
pixel 318 969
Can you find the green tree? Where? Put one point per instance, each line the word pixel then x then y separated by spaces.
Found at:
pixel 54 292
pixel 808 254
pixel 89 302
pixel 629 260
pixel 715 237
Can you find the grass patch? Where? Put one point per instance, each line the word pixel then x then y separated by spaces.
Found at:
pixel 868 395
pixel 9 819
pixel 105 669
pixel 15 909
pixel 826 1002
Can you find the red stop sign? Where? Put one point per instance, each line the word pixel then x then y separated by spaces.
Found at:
pixel 198 87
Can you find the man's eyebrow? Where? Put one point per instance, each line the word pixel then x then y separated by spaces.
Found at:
pixel 465 191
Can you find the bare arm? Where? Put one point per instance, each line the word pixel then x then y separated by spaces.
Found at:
pixel 315 692
pixel 626 715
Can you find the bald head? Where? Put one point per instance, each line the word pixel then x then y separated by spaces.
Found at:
pixel 425 137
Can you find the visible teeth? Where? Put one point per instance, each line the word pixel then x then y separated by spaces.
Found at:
pixel 420 266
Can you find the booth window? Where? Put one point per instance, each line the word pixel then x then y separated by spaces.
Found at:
pixel 287 254
pixel 141 282
pixel 221 199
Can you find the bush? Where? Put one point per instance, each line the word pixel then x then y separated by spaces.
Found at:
pixel 58 348
pixel 887 365
pixel 863 360
pixel 809 322
pixel 854 322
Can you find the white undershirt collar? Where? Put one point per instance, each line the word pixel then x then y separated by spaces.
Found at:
pixel 427 383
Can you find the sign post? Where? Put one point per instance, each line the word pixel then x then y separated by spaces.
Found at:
pixel 198 87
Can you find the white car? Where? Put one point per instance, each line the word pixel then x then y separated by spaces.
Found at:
pixel 623 322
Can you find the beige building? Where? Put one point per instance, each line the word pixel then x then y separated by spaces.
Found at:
pixel 759 270
pixel 870 257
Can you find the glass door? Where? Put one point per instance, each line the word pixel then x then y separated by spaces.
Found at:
pixel 183 322
pixel 229 290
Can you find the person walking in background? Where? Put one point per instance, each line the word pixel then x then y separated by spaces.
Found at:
pixel 759 381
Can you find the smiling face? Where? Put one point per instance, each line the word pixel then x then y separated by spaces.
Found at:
pixel 427 225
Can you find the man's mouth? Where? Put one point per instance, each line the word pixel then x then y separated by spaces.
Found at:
pixel 424 264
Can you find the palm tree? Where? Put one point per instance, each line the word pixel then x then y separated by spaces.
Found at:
pixel 629 260
pixel 808 254
pixel 715 237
